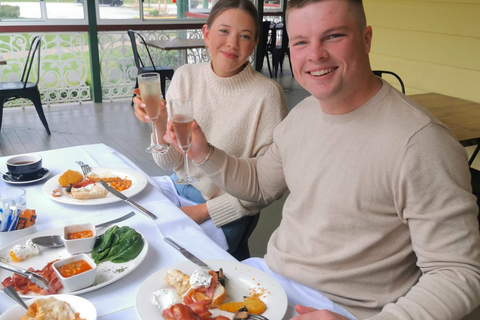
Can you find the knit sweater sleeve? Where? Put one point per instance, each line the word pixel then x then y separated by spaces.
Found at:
pixel 433 196
pixel 226 208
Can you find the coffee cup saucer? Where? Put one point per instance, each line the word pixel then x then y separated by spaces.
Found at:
pixel 30 178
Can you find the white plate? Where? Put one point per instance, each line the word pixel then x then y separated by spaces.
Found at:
pixel 139 182
pixel 107 272
pixel 83 306
pixel 243 281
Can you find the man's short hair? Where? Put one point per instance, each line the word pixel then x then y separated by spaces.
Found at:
pixel 356 6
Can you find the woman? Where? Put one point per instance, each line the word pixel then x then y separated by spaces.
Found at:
pixel 237 108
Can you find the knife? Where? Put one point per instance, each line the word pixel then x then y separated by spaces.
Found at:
pixel 35 278
pixel 186 253
pixel 126 199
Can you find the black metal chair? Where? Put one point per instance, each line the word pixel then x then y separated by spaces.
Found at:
pixel 165 73
pixel 279 51
pixel 24 88
pixel 379 73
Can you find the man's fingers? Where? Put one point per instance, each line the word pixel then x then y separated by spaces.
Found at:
pixel 302 309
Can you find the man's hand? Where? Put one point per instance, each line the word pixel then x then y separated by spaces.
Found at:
pixel 140 108
pixel 198 213
pixel 307 313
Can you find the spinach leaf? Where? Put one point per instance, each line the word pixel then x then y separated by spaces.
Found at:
pixel 124 245
pixel 103 244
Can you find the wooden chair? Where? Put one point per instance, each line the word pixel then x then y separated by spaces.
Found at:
pixel 24 88
pixel 278 50
pixel 144 68
pixel 379 73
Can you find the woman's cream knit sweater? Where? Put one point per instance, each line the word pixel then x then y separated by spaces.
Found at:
pixel 238 114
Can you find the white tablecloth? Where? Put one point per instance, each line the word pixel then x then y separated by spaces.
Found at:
pixel 172 222
pixel 116 301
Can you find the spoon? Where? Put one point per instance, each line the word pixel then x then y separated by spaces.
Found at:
pixel 12 294
pixel 11 176
pixel 56 241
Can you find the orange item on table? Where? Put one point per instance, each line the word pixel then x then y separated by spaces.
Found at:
pixel 26 219
pixel 80 235
pixel 74 268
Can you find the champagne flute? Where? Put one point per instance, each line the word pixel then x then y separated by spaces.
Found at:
pixel 181 114
pixel 149 85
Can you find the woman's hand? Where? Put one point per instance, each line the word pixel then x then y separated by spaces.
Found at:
pixel 140 108
pixel 307 313
pixel 198 213
pixel 199 147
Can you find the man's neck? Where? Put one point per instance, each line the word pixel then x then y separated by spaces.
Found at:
pixel 360 95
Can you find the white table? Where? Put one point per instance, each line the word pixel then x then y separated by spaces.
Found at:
pixel 171 222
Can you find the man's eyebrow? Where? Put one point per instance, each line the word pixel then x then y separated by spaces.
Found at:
pixel 325 32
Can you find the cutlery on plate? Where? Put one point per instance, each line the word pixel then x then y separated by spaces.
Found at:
pixel 190 256
pixel 187 254
pixel 85 167
pixel 55 241
pixel 256 317
pixel 35 278
pixel 126 199
pixel 13 295
pixel 11 176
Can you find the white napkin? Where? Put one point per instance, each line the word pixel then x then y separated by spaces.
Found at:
pixel 297 293
pixel 166 184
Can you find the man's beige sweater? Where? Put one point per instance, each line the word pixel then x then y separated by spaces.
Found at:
pixel 380 216
pixel 238 114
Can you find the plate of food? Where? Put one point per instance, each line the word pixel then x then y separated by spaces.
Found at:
pixel 65 306
pixel 71 187
pixel 176 287
pixel 23 254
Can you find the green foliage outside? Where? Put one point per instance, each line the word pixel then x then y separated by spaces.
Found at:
pixel 9 12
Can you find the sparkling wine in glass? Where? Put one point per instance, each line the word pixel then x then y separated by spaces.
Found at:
pixel 149 85
pixel 181 114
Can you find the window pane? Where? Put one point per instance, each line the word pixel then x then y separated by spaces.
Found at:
pixel 20 10
pixel 119 9
pixel 66 9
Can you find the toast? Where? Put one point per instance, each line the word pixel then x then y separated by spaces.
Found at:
pixel 105 176
pixel 92 191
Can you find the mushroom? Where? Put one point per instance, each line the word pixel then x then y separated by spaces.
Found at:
pixel 241 314
pixel 221 277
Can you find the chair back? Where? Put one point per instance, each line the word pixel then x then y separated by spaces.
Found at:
pixel 379 73
pixel 134 35
pixel 33 55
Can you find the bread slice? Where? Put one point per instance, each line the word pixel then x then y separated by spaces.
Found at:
pixel 218 296
pixel 106 176
pixel 177 279
pixel 92 191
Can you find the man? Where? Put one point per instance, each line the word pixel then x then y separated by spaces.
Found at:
pixel 380 216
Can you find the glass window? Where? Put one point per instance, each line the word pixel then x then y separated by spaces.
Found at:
pixel 17 10
pixel 119 9
pixel 66 9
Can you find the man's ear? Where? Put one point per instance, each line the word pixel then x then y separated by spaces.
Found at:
pixel 367 35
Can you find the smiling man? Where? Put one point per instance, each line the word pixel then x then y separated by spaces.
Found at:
pixel 380 217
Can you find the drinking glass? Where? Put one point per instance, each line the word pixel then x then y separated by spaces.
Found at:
pixel 181 114
pixel 149 85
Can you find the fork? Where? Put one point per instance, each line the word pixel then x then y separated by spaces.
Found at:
pixel 85 167
pixel 256 317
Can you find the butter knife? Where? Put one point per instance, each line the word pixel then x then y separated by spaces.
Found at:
pixel 35 278
pixel 187 254
pixel 126 199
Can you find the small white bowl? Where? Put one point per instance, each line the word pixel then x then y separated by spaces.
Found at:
pixel 75 246
pixel 78 281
